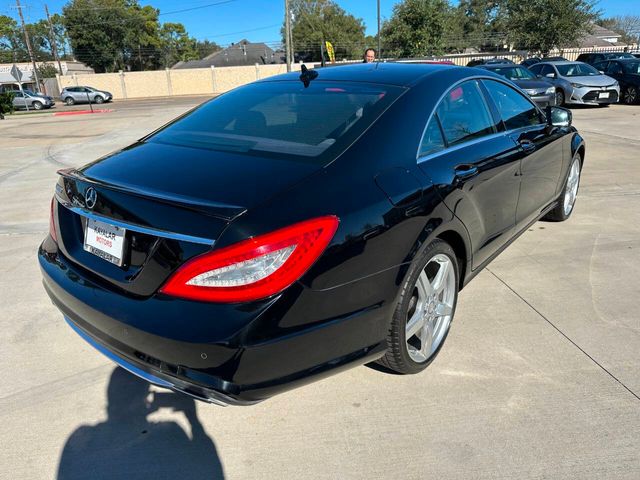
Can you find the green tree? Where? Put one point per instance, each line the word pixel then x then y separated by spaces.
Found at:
pixel 97 32
pixel 206 48
pixel 47 70
pixel 176 44
pixel 542 25
pixel 143 45
pixel 11 41
pixel 6 103
pixel 417 28
pixel 317 21
pixel 483 23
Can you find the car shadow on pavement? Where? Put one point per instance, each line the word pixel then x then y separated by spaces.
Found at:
pixel 128 446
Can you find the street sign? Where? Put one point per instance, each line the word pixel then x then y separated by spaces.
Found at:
pixel 16 73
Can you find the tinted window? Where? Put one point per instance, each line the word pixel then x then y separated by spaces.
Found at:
pixel 537 68
pixel 432 141
pixel 614 68
pixel 516 111
pixel 632 67
pixel 464 115
pixel 577 70
pixel 546 69
pixel 283 119
pixel 514 73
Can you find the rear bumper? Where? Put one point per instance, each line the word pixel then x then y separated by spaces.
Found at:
pixel 224 354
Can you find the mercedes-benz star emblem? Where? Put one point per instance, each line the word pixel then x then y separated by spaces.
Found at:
pixel 90 197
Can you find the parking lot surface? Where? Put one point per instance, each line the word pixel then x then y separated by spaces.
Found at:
pixel 539 378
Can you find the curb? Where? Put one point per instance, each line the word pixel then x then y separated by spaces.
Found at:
pixel 81 112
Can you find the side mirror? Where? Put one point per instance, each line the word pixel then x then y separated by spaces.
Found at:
pixel 601 72
pixel 558 117
pixel 550 75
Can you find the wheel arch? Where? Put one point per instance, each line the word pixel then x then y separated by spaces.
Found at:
pixel 459 246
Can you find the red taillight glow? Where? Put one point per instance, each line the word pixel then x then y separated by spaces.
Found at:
pixel 52 222
pixel 254 268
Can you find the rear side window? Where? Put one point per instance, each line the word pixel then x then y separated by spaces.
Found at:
pixel 283 120
pixel 432 140
pixel 464 115
pixel 516 110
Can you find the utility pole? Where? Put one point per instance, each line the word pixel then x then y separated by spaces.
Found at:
pixel 52 40
pixel 379 49
pixel 28 42
pixel 287 34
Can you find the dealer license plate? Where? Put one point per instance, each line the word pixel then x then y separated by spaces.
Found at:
pixel 603 95
pixel 104 240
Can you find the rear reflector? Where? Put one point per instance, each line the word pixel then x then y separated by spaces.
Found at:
pixel 254 268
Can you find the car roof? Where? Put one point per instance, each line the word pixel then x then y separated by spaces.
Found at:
pixel 559 62
pixel 401 74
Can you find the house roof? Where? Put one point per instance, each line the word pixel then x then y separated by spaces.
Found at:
pixel 240 53
pixel 601 32
pixel 592 41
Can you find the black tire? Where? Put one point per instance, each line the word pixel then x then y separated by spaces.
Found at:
pixel 397 357
pixel 559 98
pixel 37 105
pixel 69 101
pixel 98 99
pixel 630 95
pixel 558 214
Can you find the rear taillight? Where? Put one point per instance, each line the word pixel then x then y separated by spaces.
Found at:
pixel 254 268
pixel 52 222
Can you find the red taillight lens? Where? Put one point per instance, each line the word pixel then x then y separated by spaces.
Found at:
pixel 52 222
pixel 254 268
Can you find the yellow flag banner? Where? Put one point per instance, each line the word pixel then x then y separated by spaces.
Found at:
pixel 330 52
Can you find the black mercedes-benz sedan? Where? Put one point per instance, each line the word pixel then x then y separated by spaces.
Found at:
pixel 303 224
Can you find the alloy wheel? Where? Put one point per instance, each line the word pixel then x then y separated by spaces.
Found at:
pixel 559 98
pixel 630 95
pixel 571 189
pixel 430 308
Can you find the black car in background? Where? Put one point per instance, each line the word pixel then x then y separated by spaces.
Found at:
pixel 303 224
pixel 597 57
pixel 540 91
pixel 627 72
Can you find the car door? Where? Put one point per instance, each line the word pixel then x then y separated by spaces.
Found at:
pixel 475 165
pixel 615 70
pixel 540 145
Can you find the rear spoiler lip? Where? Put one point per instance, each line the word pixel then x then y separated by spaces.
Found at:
pixel 218 210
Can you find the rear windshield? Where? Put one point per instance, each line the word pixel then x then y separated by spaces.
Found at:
pixel 515 73
pixel 283 119
pixel 577 70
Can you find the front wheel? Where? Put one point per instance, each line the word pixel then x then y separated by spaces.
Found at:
pixel 567 199
pixel 425 310
pixel 630 95
pixel 559 98
pixel 37 105
pixel 98 99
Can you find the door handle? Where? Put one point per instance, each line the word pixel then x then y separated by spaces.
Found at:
pixel 466 171
pixel 527 146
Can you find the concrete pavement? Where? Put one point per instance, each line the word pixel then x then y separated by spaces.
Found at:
pixel 539 378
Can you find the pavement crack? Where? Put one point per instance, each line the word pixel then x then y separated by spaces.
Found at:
pixel 564 334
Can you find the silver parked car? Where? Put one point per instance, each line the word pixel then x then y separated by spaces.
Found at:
pixel 71 95
pixel 29 99
pixel 578 83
